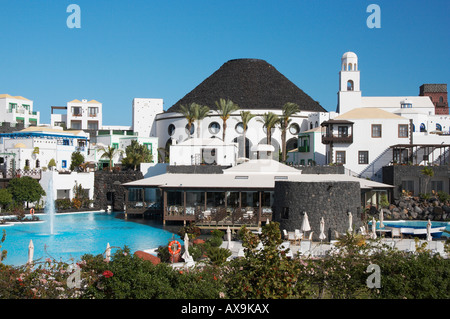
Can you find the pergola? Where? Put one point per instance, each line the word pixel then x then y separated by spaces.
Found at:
pixel 403 153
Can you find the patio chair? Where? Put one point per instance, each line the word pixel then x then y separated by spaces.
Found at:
pixel 298 235
pixel 412 247
pixel 395 232
pixel 310 235
pixel 285 234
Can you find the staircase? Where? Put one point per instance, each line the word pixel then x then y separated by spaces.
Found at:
pixel 374 170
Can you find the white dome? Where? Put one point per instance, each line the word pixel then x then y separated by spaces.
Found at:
pixel 349 55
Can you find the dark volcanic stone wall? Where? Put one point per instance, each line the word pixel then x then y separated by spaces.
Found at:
pixel 106 181
pixel 331 200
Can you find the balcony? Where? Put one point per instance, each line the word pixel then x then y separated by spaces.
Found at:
pixel 343 139
pixel 303 149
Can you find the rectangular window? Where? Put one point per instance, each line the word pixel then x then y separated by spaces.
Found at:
pixel 64 164
pixel 76 110
pixel 285 213
pixel 92 125
pixel 342 131
pixel 115 145
pixel 437 186
pixel 12 106
pixel 376 130
pixel 363 157
pixel 93 111
pixel 340 157
pixel 403 130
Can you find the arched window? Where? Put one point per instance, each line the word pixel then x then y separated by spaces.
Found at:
pixel 441 99
pixel 38 164
pixel 438 127
pixel 192 129
pixel 349 85
pixel 344 67
pixel 423 127
pixel 349 66
pixel 214 128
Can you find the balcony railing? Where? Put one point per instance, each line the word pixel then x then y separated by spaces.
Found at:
pixel 331 138
pixel 303 149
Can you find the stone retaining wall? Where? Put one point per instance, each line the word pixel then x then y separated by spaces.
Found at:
pixel 331 200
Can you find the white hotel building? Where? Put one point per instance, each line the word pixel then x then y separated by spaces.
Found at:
pixel 18 109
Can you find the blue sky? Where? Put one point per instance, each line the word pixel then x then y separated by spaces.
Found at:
pixel 164 49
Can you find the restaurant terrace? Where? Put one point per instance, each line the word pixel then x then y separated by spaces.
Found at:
pixel 240 195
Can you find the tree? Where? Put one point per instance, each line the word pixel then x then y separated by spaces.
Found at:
pixel 51 163
pixel 225 108
pixel 76 160
pixel 428 174
pixel 189 114
pixel 136 154
pixel 269 120
pixel 25 189
pixel 200 112
pixel 246 116
pixel 109 153
pixel 289 109
pixel 5 197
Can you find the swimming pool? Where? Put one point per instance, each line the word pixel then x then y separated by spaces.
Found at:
pixel 417 224
pixel 78 234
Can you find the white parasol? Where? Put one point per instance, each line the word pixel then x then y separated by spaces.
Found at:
pixel 186 256
pixel 350 222
pixel 429 231
pixel 108 253
pixel 30 252
pixel 230 244
pixel 322 235
pixel 305 224
pixel 374 228
pixel 381 219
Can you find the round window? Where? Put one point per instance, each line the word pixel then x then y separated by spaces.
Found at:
pixel 171 129
pixel 294 129
pixel 214 128
pixel 239 128
pixel 192 129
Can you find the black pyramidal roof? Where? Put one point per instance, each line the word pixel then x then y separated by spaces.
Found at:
pixel 250 83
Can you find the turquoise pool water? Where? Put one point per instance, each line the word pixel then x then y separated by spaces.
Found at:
pixel 79 234
pixel 415 224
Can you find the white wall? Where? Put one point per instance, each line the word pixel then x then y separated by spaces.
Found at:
pixel 64 183
pixel 144 113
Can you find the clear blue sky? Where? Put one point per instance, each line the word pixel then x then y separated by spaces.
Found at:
pixel 163 49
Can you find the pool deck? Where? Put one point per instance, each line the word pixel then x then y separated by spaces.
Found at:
pixel 318 249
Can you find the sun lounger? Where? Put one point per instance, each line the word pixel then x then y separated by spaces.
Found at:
pixel 298 235
pixel 305 247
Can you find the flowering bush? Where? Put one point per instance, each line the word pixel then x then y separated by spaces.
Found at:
pixel 264 273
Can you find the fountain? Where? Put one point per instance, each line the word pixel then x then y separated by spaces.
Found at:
pixel 49 209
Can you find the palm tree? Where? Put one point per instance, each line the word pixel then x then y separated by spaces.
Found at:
pixel 189 114
pixel 200 112
pixel 225 108
pixel 288 110
pixel 109 153
pixel 136 154
pixel 428 174
pixel 246 116
pixel 269 121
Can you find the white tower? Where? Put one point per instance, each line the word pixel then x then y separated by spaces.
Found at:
pixel 144 113
pixel 349 95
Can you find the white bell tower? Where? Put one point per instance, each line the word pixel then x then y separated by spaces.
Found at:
pixel 349 95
